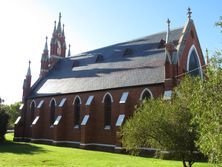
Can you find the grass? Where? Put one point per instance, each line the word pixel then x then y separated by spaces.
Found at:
pixel 27 154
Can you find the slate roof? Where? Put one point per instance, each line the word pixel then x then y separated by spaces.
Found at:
pixel 132 63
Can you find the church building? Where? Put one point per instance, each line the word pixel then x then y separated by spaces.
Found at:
pixel 83 100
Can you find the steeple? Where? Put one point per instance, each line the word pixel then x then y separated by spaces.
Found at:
pixel 59 28
pixel 63 30
pixel 27 83
pixel 54 30
pixel 169 46
pixel 46 44
pixel 69 52
pixel 44 60
pixel 29 70
pixel 168 31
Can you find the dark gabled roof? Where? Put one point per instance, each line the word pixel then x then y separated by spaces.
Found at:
pixel 133 63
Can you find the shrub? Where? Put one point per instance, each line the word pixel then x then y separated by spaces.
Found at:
pixel 4 118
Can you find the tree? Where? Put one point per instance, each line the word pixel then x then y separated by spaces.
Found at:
pixel 4 117
pixel 13 111
pixel 166 125
pixel 209 114
pixel 208 109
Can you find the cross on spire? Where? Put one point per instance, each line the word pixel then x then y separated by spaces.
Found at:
pixel 189 13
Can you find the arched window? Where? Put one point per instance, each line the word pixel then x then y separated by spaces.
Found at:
pixel 77 103
pixel 107 110
pixel 32 114
pixel 52 111
pixel 193 63
pixel 146 94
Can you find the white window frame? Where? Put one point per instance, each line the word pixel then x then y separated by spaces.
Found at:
pixel 51 102
pixel 33 101
pixel 146 89
pixel 80 101
pixel 107 93
pixel 193 48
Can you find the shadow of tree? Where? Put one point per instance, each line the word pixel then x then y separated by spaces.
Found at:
pixel 20 148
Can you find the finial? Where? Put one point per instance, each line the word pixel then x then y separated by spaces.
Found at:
pixel 60 15
pixel 168 30
pixel 69 52
pixel 207 56
pixel 189 13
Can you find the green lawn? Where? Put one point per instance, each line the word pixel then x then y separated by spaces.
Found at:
pixel 27 154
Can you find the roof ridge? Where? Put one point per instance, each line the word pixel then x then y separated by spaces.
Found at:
pixel 82 54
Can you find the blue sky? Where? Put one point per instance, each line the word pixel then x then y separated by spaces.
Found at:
pixel 90 24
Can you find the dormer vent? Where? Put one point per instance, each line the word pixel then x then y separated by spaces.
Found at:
pixel 127 52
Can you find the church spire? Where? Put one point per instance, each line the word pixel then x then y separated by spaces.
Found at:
pixel 63 30
pixel 27 83
pixel 54 30
pixel 69 52
pixel 59 28
pixel 168 31
pixel 46 44
pixel 29 70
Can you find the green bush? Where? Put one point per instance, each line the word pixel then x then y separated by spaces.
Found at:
pixel 4 118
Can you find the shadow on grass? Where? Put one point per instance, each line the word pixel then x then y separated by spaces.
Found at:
pixel 20 148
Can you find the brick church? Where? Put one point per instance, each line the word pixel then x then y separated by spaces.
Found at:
pixel 83 100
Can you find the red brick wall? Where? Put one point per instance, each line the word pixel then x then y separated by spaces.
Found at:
pixel 98 134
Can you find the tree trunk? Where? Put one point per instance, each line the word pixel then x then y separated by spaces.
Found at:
pixel 184 163
pixel 190 163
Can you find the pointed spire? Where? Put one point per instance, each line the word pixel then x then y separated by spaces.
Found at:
pixel 63 30
pixel 59 23
pixel 189 13
pixel 29 69
pixel 46 44
pixel 168 31
pixel 207 56
pixel 54 31
pixel 69 52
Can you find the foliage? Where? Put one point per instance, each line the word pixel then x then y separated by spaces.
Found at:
pixel 29 154
pixel 209 112
pixel 13 111
pixel 166 125
pixel 4 117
